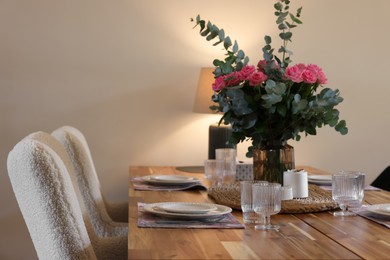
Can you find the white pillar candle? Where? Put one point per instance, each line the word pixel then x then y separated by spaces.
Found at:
pixel 287 193
pixel 298 181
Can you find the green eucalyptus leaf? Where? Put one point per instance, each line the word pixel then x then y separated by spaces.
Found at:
pixel 227 43
pixel 299 106
pixel 295 19
pixel 310 130
pixel 285 35
pixel 341 127
pixel 205 32
pixel 271 99
pixel 270 85
pixel 238 103
pixel 239 66
pixel 221 35
pixel 246 60
pixel 267 47
pixel 240 54
pixel 235 47
pixel 216 43
pixel 267 39
pixel 282 26
pixel 299 10
pixel 202 25
pixel 212 35
pixel 278 6
pixel 282 17
pixel 289 25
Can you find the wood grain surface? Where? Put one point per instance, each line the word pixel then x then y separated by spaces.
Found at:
pixel 301 236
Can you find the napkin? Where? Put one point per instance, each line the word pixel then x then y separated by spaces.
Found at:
pixel 139 184
pixel 148 220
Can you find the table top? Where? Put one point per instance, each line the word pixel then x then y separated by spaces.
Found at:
pixel 310 235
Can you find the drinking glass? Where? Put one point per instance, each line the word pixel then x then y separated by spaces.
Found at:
pixel 228 155
pixel 361 183
pixel 347 191
pixel 267 202
pixel 249 216
pixel 213 170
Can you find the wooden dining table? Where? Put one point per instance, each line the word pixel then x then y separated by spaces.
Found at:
pixel 300 236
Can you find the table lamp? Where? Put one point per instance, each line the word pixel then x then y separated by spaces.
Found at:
pixel 218 135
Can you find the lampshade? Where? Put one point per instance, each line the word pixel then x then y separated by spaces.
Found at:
pixel 204 92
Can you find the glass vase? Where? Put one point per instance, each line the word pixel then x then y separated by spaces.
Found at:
pixel 271 159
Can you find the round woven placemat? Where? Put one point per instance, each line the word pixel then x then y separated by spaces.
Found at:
pixel 318 200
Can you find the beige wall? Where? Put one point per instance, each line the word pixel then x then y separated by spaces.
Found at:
pixel 125 73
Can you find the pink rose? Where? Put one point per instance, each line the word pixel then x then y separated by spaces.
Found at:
pixel 219 83
pixel 295 72
pixel 232 79
pixel 257 78
pixel 246 71
pixel 309 76
pixel 261 64
pixel 321 78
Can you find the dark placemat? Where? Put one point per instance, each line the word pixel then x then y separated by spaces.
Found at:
pixel 378 218
pixel 148 220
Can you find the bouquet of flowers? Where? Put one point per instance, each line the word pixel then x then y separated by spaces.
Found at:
pixel 271 101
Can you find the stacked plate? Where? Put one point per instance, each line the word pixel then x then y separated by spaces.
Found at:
pixel 187 210
pixel 169 180
pixel 320 179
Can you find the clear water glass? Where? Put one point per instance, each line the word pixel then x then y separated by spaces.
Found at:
pixel 267 202
pixel 249 216
pixel 229 156
pixel 361 184
pixel 213 170
pixel 347 191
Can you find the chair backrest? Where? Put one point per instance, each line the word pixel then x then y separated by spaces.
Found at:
pixel 383 180
pixel 48 202
pixel 87 180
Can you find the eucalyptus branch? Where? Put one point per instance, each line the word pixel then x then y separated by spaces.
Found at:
pixel 235 59
pixel 282 8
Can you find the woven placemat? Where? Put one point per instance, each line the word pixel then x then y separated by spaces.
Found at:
pixel 318 200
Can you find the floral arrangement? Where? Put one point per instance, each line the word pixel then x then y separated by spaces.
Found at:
pixel 272 101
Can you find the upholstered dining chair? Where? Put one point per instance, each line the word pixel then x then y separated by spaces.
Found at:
pixel 383 180
pixel 49 205
pixel 102 224
pixel 103 214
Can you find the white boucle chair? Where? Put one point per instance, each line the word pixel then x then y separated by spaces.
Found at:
pixel 50 208
pixel 102 225
pixel 88 183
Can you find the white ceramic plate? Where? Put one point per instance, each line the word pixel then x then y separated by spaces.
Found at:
pixel 188 208
pixel 382 209
pixel 158 209
pixel 169 179
pixel 320 179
